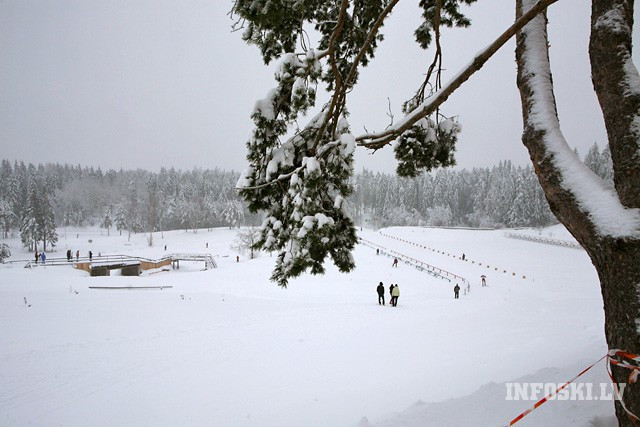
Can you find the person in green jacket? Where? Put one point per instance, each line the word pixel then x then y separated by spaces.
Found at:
pixel 394 295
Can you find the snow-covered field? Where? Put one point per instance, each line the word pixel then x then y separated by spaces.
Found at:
pixel 226 347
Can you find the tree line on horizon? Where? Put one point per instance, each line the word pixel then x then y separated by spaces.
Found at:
pixel 504 196
pixel 35 199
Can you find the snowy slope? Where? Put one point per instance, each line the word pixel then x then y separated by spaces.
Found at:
pixel 228 347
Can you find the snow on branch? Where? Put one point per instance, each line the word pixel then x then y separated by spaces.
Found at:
pixel 599 201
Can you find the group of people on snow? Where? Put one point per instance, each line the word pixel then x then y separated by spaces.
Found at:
pixel 70 255
pixel 40 257
pixel 394 292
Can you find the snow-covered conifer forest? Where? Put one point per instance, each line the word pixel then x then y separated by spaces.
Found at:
pixel 142 201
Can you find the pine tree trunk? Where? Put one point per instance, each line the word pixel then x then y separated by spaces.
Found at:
pixel 616 260
pixel 618 265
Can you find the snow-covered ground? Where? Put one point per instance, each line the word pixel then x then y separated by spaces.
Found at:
pixel 226 347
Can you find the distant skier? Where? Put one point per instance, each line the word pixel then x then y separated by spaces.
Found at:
pixel 395 263
pixel 237 258
pixel 395 294
pixel 377 251
pixel 37 256
pixel 484 280
pixel 391 294
pixel 463 257
pixel 90 256
pixel 43 257
pixel 68 255
pixel 380 290
pixel 77 255
pixel 456 291
pixel 468 288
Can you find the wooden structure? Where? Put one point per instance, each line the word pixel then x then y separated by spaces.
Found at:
pixel 97 264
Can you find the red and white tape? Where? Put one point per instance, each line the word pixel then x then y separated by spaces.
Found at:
pixel 616 357
pixel 544 399
pixel 623 359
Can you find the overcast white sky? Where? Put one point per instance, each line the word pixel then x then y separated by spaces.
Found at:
pixel 149 83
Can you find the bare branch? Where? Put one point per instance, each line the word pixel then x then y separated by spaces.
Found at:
pixel 389 113
pixel 379 140
pixel 239 21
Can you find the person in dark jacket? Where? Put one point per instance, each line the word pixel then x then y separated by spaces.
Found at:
pixel 456 291
pixel 380 290
pixel 68 255
pixel 37 256
pixel 90 256
pixel 391 293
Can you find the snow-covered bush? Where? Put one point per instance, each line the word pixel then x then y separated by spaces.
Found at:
pixel 5 252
